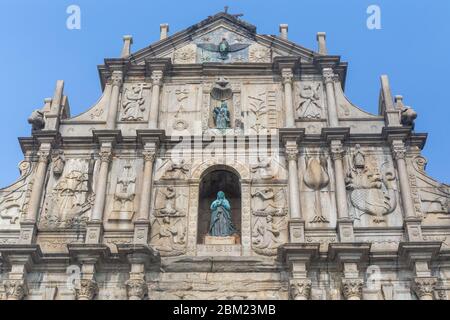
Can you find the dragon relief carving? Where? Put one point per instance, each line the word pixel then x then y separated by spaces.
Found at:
pixel 71 197
pixel 371 192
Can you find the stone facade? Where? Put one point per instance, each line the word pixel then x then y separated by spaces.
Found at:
pixel 329 201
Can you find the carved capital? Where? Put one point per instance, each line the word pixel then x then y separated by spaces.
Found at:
pixel 105 156
pixel 328 75
pixel 292 153
pixel 136 289
pixel 43 156
pixel 88 290
pixel 287 76
pixel 337 152
pixel 15 289
pixel 117 78
pixel 352 289
pixel 300 289
pixel 157 77
pixel 424 287
pixel 398 151
pixel 149 155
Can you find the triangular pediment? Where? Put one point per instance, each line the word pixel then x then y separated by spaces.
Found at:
pixel 222 38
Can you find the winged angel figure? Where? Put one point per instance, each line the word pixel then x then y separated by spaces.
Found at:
pixel 223 48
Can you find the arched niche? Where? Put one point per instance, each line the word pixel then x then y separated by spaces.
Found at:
pixel 201 169
pixel 215 179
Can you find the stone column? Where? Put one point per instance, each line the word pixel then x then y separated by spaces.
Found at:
pixel 345 223
pixel 413 223
pixel 28 224
pixel 116 82
pixel 399 154
pixel 94 229
pixel 287 76
pixel 141 229
pixel 424 287
pixel 137 288
pixel 328 77
pixel 296 228
pixel 88 289
pixel 157 76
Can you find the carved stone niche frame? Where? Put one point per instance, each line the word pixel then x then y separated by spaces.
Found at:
pixel 199 172
pixel 222 89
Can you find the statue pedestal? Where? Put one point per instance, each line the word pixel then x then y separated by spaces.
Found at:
pixel 220 240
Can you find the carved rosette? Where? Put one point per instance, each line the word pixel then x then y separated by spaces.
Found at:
pixel 137 289
pixel 352 289
pixel 88 290
pixel 15 289
pixel 300 289
pixel 424 287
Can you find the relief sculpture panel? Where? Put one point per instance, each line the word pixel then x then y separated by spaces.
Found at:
pixel 169 234
pixel 70 198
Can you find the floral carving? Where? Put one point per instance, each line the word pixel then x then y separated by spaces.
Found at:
pixel 352 289
pixel 15 289
pixel 88 289
pixel 137 289
pixel 300 289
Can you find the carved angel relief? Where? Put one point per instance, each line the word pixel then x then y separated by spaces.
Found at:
pixel 71 198
pixel 175 170
pixel 133 103
pixel 310 106
pixel 371 192
pixel 168 227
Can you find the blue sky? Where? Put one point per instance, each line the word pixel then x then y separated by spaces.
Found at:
pixel 412 48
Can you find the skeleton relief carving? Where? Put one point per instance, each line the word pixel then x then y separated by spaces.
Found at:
pixel 71 197
pixel 133 103
pixel 168 226
pixel 371 192
pixel 310 104
pixel 124 195
pixel 14 199
pixel 317 178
